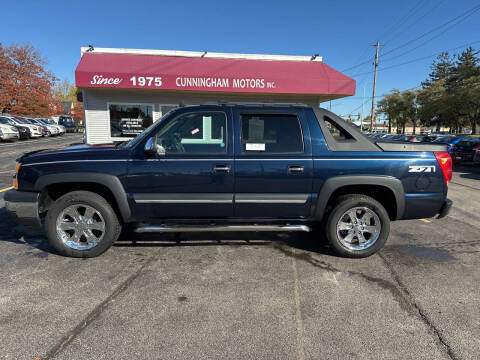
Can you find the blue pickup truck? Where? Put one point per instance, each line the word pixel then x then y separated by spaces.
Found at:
pixel 232 167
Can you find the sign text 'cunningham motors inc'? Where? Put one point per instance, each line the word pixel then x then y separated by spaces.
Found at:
pixel 180 82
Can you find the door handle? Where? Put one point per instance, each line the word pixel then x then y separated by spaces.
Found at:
pixel 221 169
pixel 295 169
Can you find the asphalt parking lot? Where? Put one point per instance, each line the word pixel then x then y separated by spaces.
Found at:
pixel 244 295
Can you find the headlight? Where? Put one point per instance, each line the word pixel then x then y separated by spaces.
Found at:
pixel 15 177
pixel 1 132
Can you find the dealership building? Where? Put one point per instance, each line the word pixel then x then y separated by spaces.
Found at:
pixel 125 90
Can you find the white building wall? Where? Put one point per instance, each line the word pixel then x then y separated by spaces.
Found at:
pixel 97 115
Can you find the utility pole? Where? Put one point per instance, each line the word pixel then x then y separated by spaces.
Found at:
pixel 372 116
pixel 363 102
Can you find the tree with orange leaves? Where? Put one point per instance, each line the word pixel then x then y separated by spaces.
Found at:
pixel 25 84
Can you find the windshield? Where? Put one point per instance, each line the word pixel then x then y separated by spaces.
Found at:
pixel 445 139
pixel 27 121
pixel 6 121
pixel 66 120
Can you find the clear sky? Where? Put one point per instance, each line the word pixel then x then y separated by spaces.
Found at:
pixel 340 31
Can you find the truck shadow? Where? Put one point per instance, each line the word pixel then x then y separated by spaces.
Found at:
pixel 11 232
pixel 303 241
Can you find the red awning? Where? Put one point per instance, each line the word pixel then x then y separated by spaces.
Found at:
pixel 126 71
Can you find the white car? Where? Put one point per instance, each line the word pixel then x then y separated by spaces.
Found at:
pixel 60 128
pixel 8 133
pixel 35 130
pixel 52 129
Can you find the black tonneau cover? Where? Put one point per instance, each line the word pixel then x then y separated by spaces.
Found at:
pixel 407 146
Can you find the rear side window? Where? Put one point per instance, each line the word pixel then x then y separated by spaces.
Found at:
pixel 337 132
pixel 271 133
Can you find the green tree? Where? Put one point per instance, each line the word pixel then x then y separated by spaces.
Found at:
pixel 400 108
pixel 390 106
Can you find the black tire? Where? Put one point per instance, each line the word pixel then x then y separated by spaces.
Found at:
pixel 340 207
pixel 112 225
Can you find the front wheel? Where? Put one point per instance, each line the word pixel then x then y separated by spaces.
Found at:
pixel 82 224
pixel 358 226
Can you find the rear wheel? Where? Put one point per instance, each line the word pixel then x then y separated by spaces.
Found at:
pixel 358 226
pixel 82 224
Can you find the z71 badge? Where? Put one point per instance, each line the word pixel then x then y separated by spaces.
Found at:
pixel 422 168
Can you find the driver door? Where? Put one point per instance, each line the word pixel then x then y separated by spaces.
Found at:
pixel 194 177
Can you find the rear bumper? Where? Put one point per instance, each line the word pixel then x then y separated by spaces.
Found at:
pixel 23 207
pixel 445 209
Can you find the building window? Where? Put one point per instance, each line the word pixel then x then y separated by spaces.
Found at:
pixel 202 132
pixel 129 120
pixel 271 133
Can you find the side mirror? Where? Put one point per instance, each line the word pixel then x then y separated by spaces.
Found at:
pixel 151 146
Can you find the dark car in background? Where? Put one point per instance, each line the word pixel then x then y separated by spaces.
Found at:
pixel 465 149
pixel 68 123
pixel 448 140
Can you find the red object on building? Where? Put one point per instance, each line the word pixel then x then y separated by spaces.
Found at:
pixel 231 75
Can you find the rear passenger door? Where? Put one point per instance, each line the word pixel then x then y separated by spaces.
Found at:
pixel 273 163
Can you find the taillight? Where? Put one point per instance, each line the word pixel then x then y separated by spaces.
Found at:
pixel 476 148
pixel 445 162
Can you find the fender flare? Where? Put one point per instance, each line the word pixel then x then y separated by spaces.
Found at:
pixel 334 183
pixel 110 181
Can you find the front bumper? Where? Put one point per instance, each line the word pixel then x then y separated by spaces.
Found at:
pixel 24 134
pixel 445 209
pixel 10 136
pixel 23 206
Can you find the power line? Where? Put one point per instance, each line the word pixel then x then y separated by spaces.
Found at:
pixel 369 99
pixel 460 18
pixel 417 59
pixel 405 18
pixel 398 23
pixel 434 37
pixel 431 10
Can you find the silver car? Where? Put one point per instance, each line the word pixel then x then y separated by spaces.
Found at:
pixel 8 133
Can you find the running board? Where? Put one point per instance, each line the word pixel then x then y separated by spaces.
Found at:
pixel 206 228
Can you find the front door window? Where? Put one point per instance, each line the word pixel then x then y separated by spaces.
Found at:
pixel 195 133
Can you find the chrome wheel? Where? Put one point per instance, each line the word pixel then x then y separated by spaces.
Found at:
pixel 80 227
pixel 358 228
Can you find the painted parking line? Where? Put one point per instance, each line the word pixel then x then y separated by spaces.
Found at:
pixel 6 189
pixel 425 220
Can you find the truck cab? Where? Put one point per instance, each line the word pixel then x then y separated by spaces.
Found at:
pixel 232 167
